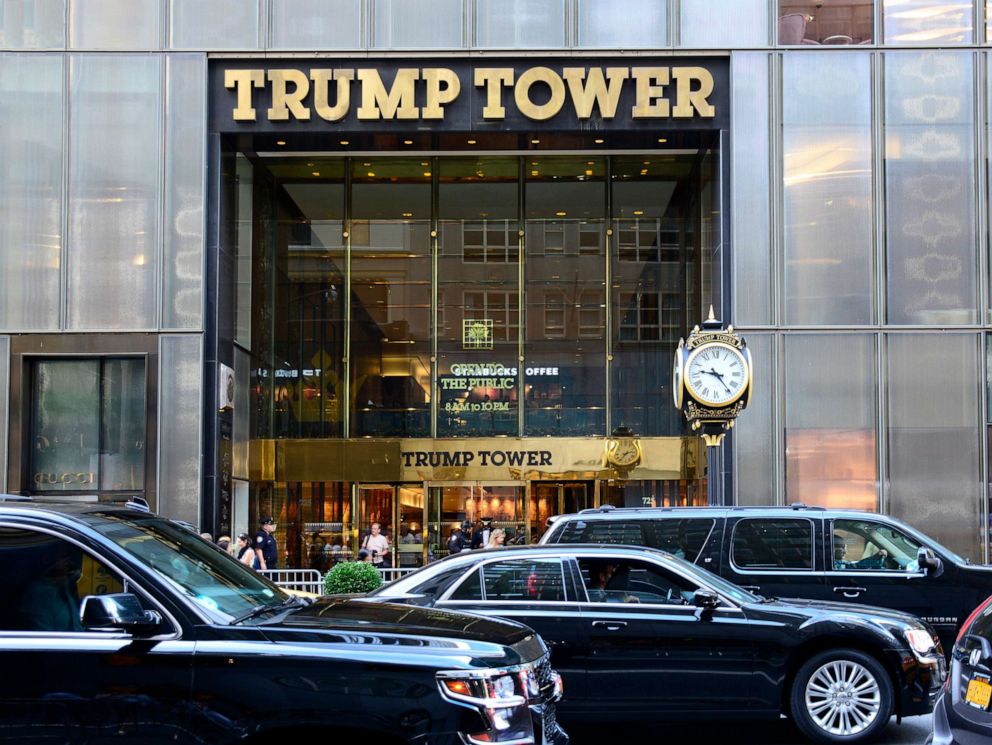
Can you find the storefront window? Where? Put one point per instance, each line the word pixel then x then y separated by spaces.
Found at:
pixel 826 22
pixel 565 288
pixel 478 298
pixel 88 425
pixel 391 298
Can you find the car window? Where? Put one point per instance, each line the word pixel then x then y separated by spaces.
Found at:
pixel 982 625
pixel 528 580
pixel 866 545
pixel 683 537
pixel 623 532
pixel 45 580
pixel 610 580
pixel 773 544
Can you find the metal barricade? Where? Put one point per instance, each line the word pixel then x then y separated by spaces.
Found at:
pixel 305 580
pixel 391 573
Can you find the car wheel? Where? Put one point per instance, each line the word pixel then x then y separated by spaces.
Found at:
pixel 841 696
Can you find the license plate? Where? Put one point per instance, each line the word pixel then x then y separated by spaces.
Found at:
pixel 979 692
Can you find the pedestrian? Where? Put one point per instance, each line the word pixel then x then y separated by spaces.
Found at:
pixel 480 538
pixel 245 553
pixel 455 544
pixel 497 538
pixel 265 545
pixel 224 543
pixel 207 537
pixel 378 545
pixel 364 556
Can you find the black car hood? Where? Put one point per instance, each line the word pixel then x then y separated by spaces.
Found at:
pixel 817 609
pixel 351 615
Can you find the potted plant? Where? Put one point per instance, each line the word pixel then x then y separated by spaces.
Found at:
pixel 350 577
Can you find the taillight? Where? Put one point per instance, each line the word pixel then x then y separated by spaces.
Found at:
pixel 974 614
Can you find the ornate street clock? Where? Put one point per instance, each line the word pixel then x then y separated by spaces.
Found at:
pixel 711 378
pixel 623 450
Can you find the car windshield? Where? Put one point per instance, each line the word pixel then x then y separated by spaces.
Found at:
pixel 221 586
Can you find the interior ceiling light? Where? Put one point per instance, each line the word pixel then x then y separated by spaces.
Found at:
pixel 471 142
pixel 662 140
pixel 280 142
pixel 371 174
pixel 407 214
pixel 407 142
pixel 316 173
pixel 535 142
pixel 427 174
pixel 599 140
pixel 588 172
pixel 533 173
pixel 366 164
pixel 638 212
pixel 345 142
pixel 647 162
pixel 560 213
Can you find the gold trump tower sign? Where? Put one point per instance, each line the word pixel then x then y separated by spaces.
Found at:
pixel 469 95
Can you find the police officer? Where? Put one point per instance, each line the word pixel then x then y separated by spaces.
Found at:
pixel 265 545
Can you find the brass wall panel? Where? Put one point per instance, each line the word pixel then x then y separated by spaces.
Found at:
pixel 474 459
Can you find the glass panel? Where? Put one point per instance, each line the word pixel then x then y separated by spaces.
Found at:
pixel 242 414
pixel 115 147
pixel 717 24
pixel 478 301
pixel 601 25
pixel 417 23
pixel 655 260
pixel 327 524
pixel 115 24
pixel 828 189
pixel 773 544
pixel 830 22
pixel 750 190
pixel 4 407
pixel 930 22
pixel 185 144
pixel 31 107
pixel 565 290
pixel 525 579
pixel 930 187
pixel 65 426
pixel 935 437
pixel 375 526
pixel 215 24
pixel 520 23
pixel 316 24
pixel 391 298
pixel 32 24
pixel 180 415
pixel 410 544
pixel 830 420
pixel 243 211
pixel 754 433
pixel 122 425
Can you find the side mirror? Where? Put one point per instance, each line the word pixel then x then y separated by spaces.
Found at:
pixel 929 562
pixel 706 599
pixel 121 611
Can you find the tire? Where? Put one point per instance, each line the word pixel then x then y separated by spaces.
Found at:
pixel 841 696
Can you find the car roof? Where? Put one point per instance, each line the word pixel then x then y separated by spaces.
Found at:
pixel 83 509
pixel 609 512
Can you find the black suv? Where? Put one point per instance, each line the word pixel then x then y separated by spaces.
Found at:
pixel 799 551
pixel 119 625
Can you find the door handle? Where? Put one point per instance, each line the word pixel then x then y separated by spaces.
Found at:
pixel 609 625
pixel 750 588
pixel 851 592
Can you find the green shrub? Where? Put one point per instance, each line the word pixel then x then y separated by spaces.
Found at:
pixel 351 577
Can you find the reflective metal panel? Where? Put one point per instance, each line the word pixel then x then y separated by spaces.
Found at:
pixel 417 23
pixel 520 23
pixel 180 407
pixel 602 23
pixel 114 191
pixel 316 24
pixel 32 24
pixel 754 434
pixel 242 414
pixel 215 24
pixel 115 24
pixel 723 24
pixel 930 183
pixel 934 436
pixel 31 103
pixel 182 275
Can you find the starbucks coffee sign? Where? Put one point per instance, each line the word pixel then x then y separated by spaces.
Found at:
pixel 468 94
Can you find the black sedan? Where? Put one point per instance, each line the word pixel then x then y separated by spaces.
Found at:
pixel 639 634
pixel 962 716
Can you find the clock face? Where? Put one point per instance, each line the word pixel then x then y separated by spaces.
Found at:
pixel 624 453
pixel 716 374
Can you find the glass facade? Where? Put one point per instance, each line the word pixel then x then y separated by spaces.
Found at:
pixel 851 179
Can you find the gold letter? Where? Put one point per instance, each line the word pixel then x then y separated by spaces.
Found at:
pixel 595 90
pixel 522 90
pixel 397 103
pixel 494 78
pixel 321 90
pixel 687 99
pixel 436 97
pixel 282 102
pixel 651 82
pixel 243 81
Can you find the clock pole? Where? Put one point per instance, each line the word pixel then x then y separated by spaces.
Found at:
pixel 711 385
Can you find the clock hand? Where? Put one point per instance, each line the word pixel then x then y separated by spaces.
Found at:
pixel 718 376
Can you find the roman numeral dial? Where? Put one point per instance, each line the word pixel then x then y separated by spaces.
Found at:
pixel 716 374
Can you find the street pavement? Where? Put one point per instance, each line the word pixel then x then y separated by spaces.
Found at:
pixel 912 731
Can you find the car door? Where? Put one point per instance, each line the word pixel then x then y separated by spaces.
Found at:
pixel 652 651
pixel 65 682
pixel 536 592
pixel 774 556
pixel 875 563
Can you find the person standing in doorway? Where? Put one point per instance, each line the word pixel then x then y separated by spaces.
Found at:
pixel 266 549
pixel 480 538
pixel 378 545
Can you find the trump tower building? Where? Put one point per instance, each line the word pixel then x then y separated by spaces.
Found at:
pixel 420 261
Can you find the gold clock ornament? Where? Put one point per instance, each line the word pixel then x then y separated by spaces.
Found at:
pixel 623 450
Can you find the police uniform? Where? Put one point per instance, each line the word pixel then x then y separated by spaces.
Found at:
pixel 265 541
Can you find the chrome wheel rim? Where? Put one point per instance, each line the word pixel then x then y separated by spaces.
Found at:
pixel 843 698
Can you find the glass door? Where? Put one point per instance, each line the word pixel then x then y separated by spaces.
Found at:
pixel 556 498
pixel 501 504
pixel 398 509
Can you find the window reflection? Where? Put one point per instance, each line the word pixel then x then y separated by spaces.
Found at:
pixel 927 21
pixel 827 22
